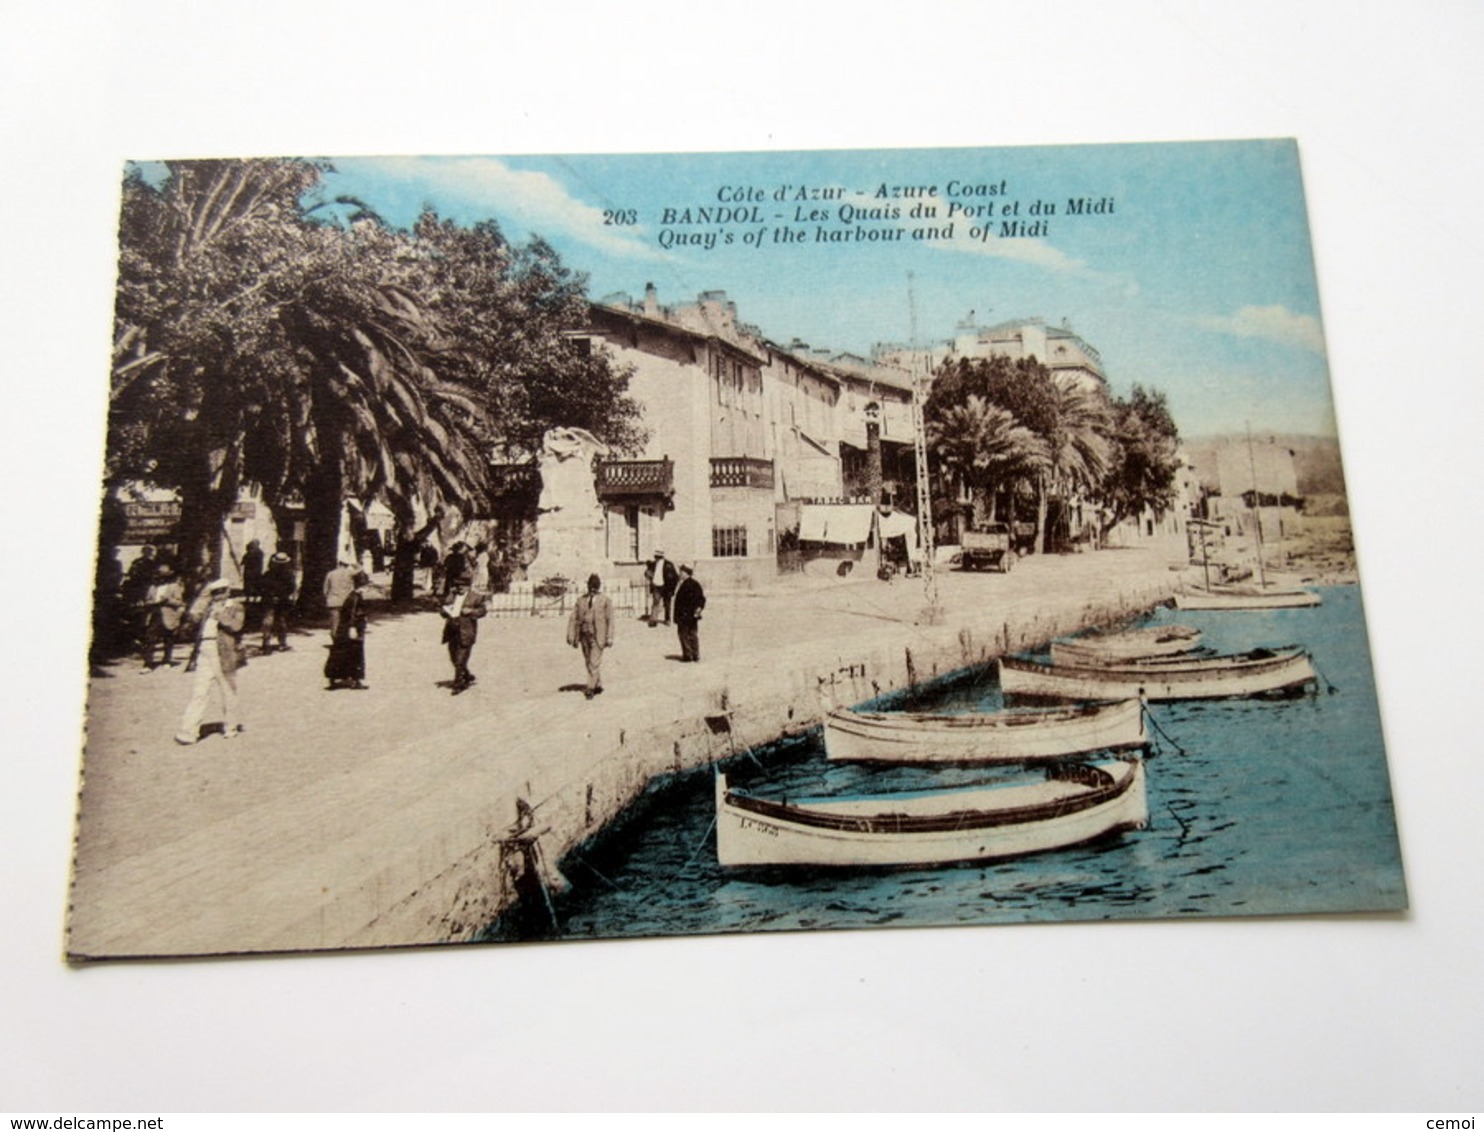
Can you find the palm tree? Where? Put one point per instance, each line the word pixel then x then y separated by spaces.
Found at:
pixel 318 354
pixel 255 348
pixel 1077 439
pixel 984 447
pixel 374 416
pixel 205 259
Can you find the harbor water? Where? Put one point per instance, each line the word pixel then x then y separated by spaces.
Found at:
pixel 1256 807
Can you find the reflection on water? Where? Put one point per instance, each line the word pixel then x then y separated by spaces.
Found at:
pixel 1256 806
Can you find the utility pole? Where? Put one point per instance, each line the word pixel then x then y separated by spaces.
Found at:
pixel 873 476
pixel 933 613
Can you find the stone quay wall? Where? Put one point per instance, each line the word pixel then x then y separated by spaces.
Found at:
pixel 785 694
pixel 383 818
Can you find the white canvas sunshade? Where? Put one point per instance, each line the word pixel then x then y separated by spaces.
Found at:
pixel 847 523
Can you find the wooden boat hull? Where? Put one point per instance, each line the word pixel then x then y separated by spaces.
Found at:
pixel 1077 805
pixel 1239 597
pixel 1017 735
pixel 1131 644
pixel 1263 672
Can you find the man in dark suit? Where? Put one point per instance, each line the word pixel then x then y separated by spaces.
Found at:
pixel 690 599
pixel 461 616
pixel 252 582
pixel 278 600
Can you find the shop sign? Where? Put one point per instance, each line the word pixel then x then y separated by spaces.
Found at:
pixel 147 522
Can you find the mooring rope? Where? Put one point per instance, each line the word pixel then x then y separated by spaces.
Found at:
pixel 539 863
pixel 1149 715
pixel 1329 684
pixel 1184 829
pixel 696 852
pixel 590 867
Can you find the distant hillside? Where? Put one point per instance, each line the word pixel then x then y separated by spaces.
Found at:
pixel 1316 461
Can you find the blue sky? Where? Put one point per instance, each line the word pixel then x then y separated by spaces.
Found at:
pixel 1199 282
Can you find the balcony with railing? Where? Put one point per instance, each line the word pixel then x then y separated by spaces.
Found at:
pixel 741 471
pixel 630 480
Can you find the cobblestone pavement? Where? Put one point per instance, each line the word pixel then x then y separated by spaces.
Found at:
pixel 305 827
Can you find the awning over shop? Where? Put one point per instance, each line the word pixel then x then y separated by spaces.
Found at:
pixel 843 523
pixel 900 523
pixel 850 524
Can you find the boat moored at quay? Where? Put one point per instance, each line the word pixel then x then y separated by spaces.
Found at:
pixel 1257 672
pixel 1235 597
pixel 1126 645
pixel 1071 805
pixel 1012 735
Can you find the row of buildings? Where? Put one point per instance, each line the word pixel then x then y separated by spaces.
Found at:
pixel 756 450
pixel 755 446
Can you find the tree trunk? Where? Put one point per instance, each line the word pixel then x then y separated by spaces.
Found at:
pixel 404 560
pixel 206 499
pixel 323 505
pixel 1041 508
pixel 110 627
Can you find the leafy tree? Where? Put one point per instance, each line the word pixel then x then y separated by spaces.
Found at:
pixel 1014 428
pixel 1144 460
pixel 517 307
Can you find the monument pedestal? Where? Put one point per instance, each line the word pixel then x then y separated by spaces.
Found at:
pixel 570 529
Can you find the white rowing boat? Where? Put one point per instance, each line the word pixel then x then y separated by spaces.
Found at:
pixel 1014 735
pixel 1217 597
pixel 1071 805
pixel 1260 672
pixel 1127 644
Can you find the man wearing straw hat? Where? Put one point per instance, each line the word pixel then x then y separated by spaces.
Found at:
pixel 662 579
pixel 278 600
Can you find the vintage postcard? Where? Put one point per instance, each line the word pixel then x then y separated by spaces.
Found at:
pixel 559 547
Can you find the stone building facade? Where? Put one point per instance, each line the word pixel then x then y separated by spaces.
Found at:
pixel 739 428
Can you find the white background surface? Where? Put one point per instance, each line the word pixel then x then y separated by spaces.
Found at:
pixel 1335 1014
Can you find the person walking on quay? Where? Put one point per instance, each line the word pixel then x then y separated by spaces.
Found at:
pixel 662 579
pixel 219 619
pixel 278 600
pixel 456 565
pixel 252 582
pixel 339 583
pixel 164 603
pixel 427 559
pixel 690 599
pixel 479 569
pixel 590 628
pixel 132 593
pixel 461 616
pixel 346 664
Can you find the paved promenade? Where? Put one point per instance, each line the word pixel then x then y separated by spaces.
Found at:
pixel 373 818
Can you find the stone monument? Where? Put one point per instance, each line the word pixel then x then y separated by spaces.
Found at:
pixel 570 535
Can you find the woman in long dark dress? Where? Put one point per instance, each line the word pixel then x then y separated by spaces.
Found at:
pixel 346 665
